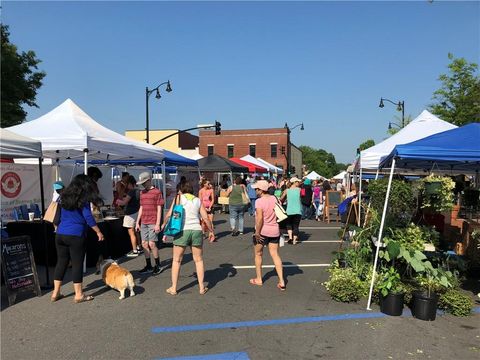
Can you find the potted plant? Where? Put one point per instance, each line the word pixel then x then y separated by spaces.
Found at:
pixel 438 193
pixel 391 292
pixel 425 301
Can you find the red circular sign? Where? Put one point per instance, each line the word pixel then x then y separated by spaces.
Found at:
pixel 11 184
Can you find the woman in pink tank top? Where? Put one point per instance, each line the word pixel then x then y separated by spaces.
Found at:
pixel 207 198
pixel 267 233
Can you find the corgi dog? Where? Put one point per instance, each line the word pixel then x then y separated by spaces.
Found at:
pixel 117 277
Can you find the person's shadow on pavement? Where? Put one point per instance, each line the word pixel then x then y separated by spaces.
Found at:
pixel 287 272
pixel 214 276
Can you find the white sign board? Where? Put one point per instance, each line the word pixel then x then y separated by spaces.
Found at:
pixel 20 185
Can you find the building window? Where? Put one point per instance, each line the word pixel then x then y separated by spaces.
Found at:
pixel 230 151
pixel 252 150
pixel 210 150
pixel 273 150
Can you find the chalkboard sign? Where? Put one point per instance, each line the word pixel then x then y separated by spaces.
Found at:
pixel 19 267
pixel 334 198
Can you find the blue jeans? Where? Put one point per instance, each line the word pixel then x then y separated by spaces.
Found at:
pixel 251 207
pixel 319 211
pixel 306 212
pixel 236 213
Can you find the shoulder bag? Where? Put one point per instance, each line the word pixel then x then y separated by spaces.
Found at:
pixel 280 212
pixel 52 215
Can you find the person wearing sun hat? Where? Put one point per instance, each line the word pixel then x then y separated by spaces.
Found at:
pixel 294 209
pixel 267 233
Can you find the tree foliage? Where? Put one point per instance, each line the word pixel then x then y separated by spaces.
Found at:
pixel 458 100
pixel 321 161
pixel 20 81
pixel 366 144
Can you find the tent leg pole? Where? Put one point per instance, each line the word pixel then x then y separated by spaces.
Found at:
pixel 360 196
pixel 380 233
pixel 47 285
pixel 164 186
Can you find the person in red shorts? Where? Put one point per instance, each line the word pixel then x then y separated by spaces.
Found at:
pixel 148 221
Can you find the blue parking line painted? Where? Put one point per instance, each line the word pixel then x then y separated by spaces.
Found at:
pixel 230 325
pixel 224 356
pixel 288 321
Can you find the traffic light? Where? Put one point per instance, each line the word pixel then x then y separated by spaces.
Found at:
pixel 282 150
pixel 218 128
pixel 293 170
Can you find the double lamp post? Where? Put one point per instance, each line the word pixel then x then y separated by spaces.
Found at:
pixel 400 107
pixel 149 92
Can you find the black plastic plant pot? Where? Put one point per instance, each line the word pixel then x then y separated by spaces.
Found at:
pixel 424 306
pixel 392 304
pixel 342 263
pixel 432 187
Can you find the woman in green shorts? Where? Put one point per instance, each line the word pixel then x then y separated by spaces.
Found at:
pixel 190 236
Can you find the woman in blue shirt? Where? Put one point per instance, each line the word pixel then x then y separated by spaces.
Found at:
pixel 70 241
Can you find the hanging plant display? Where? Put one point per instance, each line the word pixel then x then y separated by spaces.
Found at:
pixel 438 193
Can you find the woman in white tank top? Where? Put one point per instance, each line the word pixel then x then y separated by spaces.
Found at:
pixel 190 236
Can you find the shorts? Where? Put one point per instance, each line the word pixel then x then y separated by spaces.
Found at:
pixel 189 238
pixel 130 220
pixel 147 232
pixel 266 240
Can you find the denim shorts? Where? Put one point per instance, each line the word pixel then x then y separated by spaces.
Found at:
pixel 147 231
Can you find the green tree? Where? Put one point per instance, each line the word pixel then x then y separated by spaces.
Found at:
pixel 366 144
pixel 321 161
pixel 458 100
pixel 20 81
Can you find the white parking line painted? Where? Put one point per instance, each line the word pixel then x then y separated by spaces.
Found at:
pixel 320 227
pixel 321 241
pixel 284 265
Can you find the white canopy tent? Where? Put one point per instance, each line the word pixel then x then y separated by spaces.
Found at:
pixel 252 160
pixel 340 176
pixel 270 167
pixel 15 146
pixel 67 132
pixel 313 175
pixel 423 125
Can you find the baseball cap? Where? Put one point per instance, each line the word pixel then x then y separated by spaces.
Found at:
pixel 295 179
pixel 143 178
pixel 261 184
pixel 58 185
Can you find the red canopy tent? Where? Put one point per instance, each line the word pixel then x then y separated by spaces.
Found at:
pixel 251 167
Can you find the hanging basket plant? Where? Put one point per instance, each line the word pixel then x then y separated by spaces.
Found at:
pixel 437 193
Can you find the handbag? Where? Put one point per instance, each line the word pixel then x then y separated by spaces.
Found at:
pixel 245 199
pixel 280 212
pixel 175 222
pixel 52 215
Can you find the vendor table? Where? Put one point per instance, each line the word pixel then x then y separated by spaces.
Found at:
pixel 115 245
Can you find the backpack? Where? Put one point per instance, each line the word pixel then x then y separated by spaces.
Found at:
pixel 302 192
pixel 175 223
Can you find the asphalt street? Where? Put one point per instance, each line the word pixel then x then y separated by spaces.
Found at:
pixel 234 320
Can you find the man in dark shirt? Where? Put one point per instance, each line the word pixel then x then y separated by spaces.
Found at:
pixel 306 195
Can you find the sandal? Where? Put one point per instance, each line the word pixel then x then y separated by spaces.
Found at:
pixel 204 291
pixel 281 288
pixel 56 298
pixel 171 291
pixel 84 298
pixel 255 282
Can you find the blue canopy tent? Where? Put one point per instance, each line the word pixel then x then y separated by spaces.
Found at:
pixel 455 151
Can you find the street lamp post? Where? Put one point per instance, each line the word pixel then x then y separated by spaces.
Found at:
pixel 149 92
pixel 289 153
pixel 400 107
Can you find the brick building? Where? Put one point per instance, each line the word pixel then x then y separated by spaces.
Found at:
pixel 268 144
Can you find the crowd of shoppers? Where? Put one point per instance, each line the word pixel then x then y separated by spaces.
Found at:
pixel 142 204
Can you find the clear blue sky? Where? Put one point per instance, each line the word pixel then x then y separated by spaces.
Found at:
pixel 247 64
